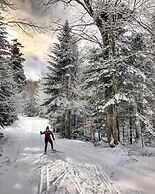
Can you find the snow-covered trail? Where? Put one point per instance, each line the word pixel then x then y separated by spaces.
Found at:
pixel 19 152
pixel 25 170
pixel 73 178
pixel 76 168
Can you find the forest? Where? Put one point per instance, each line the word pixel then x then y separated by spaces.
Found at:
pixel 105 87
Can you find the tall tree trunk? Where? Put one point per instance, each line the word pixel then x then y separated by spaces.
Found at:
pixel 123 131
pixel 67 124
pixel 105 22
pixel 112 118
pixel 112 127
pixel 137 123
pixel 118 128
pixel 68 111
pixel 130 124
pixel 99 136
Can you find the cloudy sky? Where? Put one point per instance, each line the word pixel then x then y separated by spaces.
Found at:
pixel 36 48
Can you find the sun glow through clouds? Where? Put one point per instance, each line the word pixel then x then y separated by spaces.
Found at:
pixel 11 33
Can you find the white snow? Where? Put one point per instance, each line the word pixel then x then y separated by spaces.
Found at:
pixel 76 168
pixel 137 72
pixel 118 97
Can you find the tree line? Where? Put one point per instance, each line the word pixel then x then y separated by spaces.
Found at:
pixel 12 77
pixel 18 95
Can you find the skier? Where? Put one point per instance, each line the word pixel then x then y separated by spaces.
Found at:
pixel 48 134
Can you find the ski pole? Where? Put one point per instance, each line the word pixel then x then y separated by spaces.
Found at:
pixel 55 142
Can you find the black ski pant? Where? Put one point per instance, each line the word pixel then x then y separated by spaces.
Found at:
pixel 46 142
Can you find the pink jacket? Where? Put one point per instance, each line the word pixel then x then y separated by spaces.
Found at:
pixel 48 134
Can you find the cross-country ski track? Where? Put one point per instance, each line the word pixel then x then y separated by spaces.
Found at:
pixel 66 177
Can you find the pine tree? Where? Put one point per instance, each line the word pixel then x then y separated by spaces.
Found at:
pixel 94 83
pixel 7 101
pixel 134 94
pixel 61 79
pixel 17 65
pixel 136 84
pixel 30 105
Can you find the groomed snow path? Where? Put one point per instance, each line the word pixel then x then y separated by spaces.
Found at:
pixel 25 170
pixel 76 168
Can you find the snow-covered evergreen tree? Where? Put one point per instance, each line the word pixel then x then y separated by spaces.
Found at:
pixel 133 96
pixel 136 82
pixel 95 87
pixel 30 104
pixel 61 79
pixel 17 65
pixel 7 101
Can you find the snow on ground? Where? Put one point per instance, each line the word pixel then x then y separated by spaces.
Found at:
pixel 76 168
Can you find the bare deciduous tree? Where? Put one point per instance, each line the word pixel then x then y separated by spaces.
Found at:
pixel 6 4
pixel 27 25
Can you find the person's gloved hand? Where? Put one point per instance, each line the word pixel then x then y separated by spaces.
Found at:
pixel 40 132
